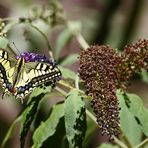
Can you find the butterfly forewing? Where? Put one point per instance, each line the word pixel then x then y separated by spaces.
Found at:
pixel 35 74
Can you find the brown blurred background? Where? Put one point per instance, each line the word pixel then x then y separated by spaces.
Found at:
pixel 114 22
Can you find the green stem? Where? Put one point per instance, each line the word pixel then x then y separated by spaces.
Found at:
pixel 61 91
pixel 77 82
pixel 82 41
pixel 62 82
pixel 91 116
pixel 44 36
pixel 142 143
pixel 8 19
pixel 120 143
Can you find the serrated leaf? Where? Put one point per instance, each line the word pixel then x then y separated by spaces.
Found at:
pixel 75 119
pixel 3 42
pixel 129 125
pixel 48 128
pixel 136 107
pixel 59 136
pixel 62 40
pixel 72 58
pixel 30 111
pixel 106 145
pixel 67 73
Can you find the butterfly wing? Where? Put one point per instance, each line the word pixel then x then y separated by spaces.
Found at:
pixel 20 79
pixel 7 69
pixel 35 74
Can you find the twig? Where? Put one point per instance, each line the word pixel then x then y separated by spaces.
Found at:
pixel 82 41
pixel 91 116
pixel 44 36
pixel 120 143
pixel 142 143
pixel 77 82
pixel 61 91
pixel 62 82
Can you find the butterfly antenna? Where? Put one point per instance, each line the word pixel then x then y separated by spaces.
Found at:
pixel 16 48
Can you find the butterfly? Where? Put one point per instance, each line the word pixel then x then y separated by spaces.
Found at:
pixel 20 74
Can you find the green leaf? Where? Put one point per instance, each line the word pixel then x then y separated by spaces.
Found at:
pixel 48 128
pixel 67 73
pixel 59 136
pixel 106 145
pixel 30 111
pixel 129 125
pixel 136 107
pixel 72 58
pixel 62 40
pixel 9 132
pixel 3 42
pixel 75 119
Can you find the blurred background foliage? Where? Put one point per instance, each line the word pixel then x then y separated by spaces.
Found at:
pixel 113 22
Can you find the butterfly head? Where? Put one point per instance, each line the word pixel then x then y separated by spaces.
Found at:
pixel 13 90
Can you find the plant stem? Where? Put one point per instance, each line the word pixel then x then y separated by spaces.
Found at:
pixel 62 82
pixel 8 19
pixel 77 82
pixel 82 41
pixel 91 116
pixel 142 143
pixel 120 143
pixel 61 91
pixel 44 36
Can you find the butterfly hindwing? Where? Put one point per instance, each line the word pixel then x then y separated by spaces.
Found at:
pixel 6 70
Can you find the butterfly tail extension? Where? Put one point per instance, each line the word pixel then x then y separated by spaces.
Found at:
pixel 3 95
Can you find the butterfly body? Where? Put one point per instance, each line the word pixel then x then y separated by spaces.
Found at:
pixel 20 75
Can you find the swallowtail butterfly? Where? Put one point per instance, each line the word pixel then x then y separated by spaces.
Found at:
pixel 20 74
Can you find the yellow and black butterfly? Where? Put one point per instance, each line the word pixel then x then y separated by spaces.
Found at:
pixel 19 75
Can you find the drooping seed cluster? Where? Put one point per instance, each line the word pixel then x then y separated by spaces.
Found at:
pixel 98 70
pixel 134 57
pixel 103 71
